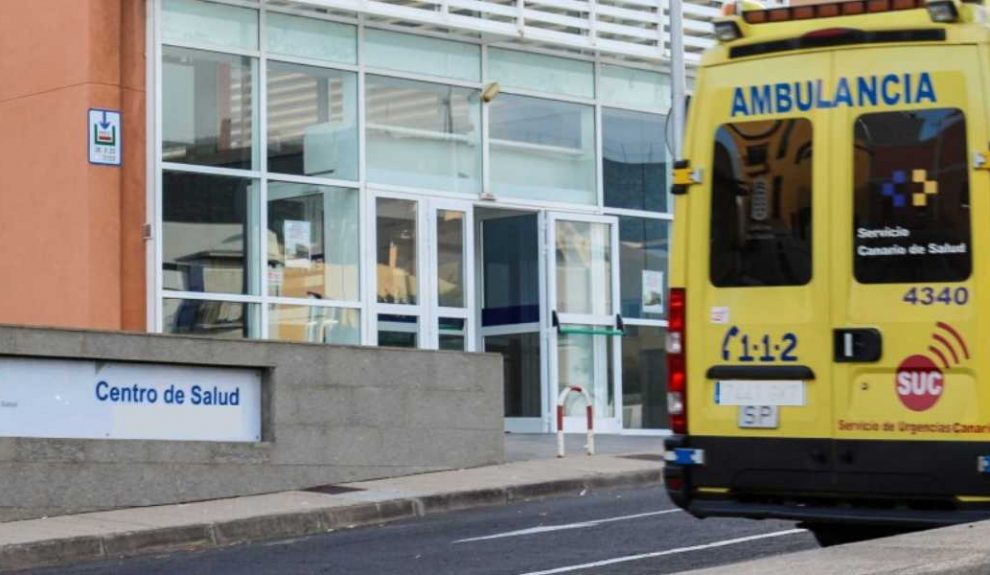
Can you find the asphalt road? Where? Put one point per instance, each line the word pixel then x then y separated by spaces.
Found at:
pixel 626 532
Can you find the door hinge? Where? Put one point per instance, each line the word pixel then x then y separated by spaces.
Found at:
pixel 981 160
pixel 146 232
pixel 685 177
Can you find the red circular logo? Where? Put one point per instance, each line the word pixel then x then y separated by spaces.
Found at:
pixel 919 383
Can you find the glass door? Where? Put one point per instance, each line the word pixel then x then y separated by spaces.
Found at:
pixel 511 284
pixel 451 241
pixel 424 276
pixel 583 323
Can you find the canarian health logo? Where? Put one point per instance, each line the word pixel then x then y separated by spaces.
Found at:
pixel 898 189
pixel 919 381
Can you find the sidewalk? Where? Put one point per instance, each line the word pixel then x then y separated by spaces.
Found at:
pixel 957 550
pixel 202 525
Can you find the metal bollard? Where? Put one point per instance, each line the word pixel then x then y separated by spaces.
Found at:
pixel 589 410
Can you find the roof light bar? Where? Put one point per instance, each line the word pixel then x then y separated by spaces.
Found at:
pixel 834 9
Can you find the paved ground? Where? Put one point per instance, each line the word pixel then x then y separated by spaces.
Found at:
pixel 529 446
pixel 628 531
pixel 534 473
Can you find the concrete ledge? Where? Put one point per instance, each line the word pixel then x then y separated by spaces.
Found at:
pixel 52 552
pixel 328 415
pixel 957 550
pixel 307 519
pixel 158 540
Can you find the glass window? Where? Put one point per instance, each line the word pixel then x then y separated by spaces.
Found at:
pixel 452 334
pixel 912 214
pixel 550 74
pixel 585 361
pixel 311 38
pixel 422 55
pixel 207 244
pixel 630 87
pixel 644 376
pixel 542 150
pixel 313 242
pixel 314 324
pixel 312 121
pixel 398 331
pixel 521 369
pixel 423 135
pixel 224 319
pixel 451 226
pixel 208 23
pixel 761 204
pixel 511 270
pixel 642 267
pixel 396 235
pixel 635 160
pixel 207 108
pixel 584 267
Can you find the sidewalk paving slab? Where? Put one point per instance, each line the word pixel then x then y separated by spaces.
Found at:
pixel 957 550
pixel 207 524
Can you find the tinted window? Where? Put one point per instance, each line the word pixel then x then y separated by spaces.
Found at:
pixel 911 221
pixel 761 204
pixel 634 160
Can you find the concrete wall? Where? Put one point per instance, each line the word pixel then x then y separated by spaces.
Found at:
pixel 71 243
pixel 331 415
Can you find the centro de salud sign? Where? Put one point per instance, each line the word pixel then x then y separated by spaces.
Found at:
pixel 84 399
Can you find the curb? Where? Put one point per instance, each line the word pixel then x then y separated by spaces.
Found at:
pixel 213 535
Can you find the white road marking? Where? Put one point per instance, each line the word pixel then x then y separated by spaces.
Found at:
pixel 704 546
pixel 550 528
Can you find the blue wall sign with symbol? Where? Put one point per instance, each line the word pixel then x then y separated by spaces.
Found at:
pixel 104 137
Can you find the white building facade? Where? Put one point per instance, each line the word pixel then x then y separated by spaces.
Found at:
pixel 475 175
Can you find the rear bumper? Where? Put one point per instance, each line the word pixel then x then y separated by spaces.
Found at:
pixel 899 483
pixel 902 517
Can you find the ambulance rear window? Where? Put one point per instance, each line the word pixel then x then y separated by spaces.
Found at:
pixel 761 204
pixel 912 214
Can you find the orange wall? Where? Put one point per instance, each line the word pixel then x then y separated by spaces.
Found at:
pixel 71 249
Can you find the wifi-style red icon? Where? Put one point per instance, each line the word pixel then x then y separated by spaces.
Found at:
pixel 949 341
pixel 919 381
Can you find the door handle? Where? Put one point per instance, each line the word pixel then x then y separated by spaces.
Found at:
pixel 857 345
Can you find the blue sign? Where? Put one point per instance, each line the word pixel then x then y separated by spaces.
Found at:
pixel 104 136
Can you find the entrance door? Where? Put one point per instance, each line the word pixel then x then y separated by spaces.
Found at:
pixel 583 321
pixel 511 284
pixel 424 276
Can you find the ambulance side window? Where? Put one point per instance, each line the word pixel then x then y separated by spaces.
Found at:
pixel 761 204
pixel 911 219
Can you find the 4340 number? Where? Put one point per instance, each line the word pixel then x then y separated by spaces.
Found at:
pixel 927 295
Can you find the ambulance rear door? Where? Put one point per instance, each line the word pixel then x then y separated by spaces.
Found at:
pixel 905 301
pixel 758 329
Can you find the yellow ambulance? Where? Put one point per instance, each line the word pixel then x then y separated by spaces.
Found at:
pixel 824 346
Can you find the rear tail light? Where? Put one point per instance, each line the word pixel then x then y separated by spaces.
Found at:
pixel 676 364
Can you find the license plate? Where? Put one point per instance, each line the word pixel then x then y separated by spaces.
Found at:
pixel 753 392
pixel 759 416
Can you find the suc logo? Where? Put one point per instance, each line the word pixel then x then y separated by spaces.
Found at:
pixel 919 381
